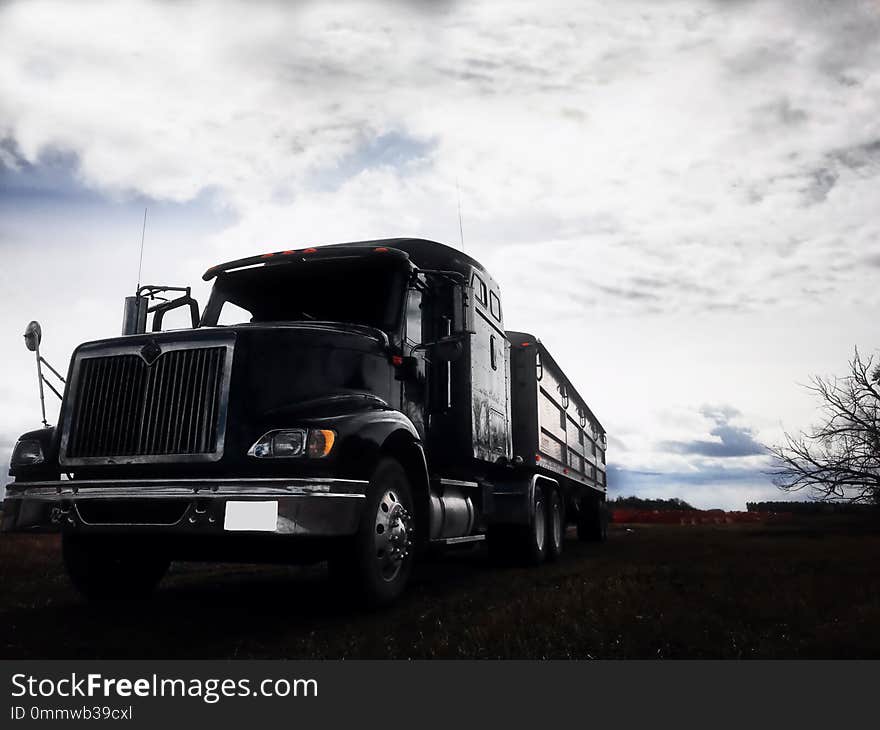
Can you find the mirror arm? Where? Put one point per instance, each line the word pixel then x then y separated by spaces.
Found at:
pixel 455 337
pixel 54 371
pixel 52 387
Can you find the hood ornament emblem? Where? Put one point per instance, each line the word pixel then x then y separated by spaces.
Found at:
pixel 150 352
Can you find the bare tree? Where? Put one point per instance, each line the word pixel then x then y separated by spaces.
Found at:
pixel 839 459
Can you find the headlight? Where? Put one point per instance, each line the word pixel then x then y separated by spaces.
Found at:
pixel 315 443
pixel 291 442
pixel 27 451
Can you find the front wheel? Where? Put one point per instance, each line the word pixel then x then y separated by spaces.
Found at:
pixel 376 562
pixel 111 567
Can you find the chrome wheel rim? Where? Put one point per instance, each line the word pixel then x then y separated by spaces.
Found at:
pixel 540 525
pixel 391 534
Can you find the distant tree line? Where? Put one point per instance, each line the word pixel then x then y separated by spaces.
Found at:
pixel 813 508
pixel 655 504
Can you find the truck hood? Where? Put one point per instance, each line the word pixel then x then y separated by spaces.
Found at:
pixel 265 376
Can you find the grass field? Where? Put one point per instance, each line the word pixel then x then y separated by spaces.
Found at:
pixel 804 590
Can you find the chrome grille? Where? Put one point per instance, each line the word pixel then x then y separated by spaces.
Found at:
pixel 124 407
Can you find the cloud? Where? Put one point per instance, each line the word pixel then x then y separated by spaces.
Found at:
pixel 731 440
pixel 730 490
pixel 689 143
pixel 705 488
pixel 720 472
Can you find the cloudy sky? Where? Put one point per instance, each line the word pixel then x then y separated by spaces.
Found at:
pixel 680 198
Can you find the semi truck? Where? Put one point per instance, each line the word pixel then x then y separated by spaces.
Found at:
pixel 356 403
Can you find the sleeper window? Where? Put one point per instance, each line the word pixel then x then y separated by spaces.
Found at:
pixel 495 306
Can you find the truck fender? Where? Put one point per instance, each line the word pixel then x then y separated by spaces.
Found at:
pixel 409 452
pixel 373 435
pixel 48 469
pixel 513 500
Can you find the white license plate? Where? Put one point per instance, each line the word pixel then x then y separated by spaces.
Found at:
pixel 251 516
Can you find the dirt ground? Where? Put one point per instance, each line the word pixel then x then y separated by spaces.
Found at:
pixel 805 590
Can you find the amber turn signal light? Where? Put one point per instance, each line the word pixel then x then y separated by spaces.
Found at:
pixel 321 442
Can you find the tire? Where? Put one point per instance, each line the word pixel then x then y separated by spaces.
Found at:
pixel 534 536
pixel 110 567
pixel 592 525
pixel 376 562
pixel 555 524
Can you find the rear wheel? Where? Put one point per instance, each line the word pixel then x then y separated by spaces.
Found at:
pixel 592 525
pixel 534 537
pixel 376 562
pixel 110 567
pixel 555 524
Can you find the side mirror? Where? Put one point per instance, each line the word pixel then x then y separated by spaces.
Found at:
pixel 33 335
pixel 446 349
pixel 462 309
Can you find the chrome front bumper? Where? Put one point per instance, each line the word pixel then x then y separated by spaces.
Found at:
pixel 306 507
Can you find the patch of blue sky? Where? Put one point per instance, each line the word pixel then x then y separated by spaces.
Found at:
pixel 395 150
pixel 53 184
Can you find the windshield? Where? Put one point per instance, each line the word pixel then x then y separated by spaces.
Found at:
pixel 361 290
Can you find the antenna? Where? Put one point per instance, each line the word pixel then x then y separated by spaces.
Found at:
pixel 460 229
pixel 141 262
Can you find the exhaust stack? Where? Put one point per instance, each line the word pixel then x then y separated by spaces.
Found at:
pixel 134 316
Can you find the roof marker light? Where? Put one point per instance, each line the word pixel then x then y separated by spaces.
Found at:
pixel 267 256
pixel 381 249
pixel 309 250
pixel 287 253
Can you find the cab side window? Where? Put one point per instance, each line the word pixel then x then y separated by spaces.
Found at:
pixel 479 289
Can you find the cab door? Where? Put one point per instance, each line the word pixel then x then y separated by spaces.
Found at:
pixel 490 386
pixel 414 392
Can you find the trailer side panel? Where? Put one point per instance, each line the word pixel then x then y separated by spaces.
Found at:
pixel 553 428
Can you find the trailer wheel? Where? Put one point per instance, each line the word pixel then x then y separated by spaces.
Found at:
pixel 592 524
pixel 534 538
pixel 376 562
pixel 109 567
pixel 555 524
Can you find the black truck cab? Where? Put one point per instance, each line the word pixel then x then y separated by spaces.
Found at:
pixel 358 402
